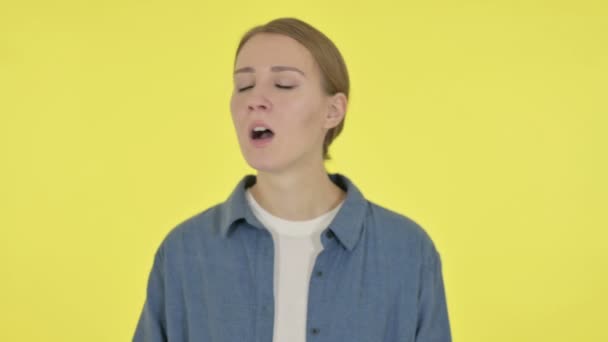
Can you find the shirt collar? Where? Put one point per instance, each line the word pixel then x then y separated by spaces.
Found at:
pixel 346 225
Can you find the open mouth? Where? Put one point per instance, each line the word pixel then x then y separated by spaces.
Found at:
pixel 261 134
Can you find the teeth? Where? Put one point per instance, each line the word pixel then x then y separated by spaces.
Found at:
pixel 259 129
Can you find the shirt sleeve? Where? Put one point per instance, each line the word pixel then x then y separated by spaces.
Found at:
pixel 151 324
pixel 433 322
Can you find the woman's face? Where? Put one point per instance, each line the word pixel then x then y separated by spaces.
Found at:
pixel 277 84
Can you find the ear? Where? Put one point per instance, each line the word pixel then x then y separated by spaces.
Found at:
pixel 336 110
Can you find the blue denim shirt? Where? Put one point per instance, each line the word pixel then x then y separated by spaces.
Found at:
pixel 378 278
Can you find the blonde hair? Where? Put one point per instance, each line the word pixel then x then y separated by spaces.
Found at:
pixel 334 75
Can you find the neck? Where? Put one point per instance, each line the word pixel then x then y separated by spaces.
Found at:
pixel 298 196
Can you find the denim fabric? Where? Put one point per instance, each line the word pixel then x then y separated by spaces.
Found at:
pixel 378 278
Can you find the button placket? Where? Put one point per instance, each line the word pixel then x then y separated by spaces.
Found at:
pixel 316 295
pixel 266 273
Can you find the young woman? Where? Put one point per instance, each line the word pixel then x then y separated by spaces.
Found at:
pixel 295 253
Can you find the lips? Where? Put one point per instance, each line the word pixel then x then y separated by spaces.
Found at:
pixel 259 123
pixel 259 134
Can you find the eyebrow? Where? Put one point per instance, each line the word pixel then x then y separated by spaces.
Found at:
pixel 275 68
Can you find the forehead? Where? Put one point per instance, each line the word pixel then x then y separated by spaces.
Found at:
pixel 264 50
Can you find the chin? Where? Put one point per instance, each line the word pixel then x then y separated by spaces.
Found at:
pixel 262 164
pixel 269 164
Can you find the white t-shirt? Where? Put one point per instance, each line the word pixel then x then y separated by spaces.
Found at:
pixel 296 246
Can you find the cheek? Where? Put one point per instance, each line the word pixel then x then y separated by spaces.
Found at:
pixel 309 112
pixel 235 107
pixel 232 104
pixel 305 109
pixel 306 120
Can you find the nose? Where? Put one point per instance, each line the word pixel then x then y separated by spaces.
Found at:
pixel 258 102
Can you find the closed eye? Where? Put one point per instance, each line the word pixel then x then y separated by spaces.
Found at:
pixel 277 85
pixel 244 88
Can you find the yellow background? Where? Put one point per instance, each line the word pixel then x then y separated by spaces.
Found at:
pixel 485 121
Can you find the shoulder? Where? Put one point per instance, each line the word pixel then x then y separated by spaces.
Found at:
pixel 402 232
pixel 193 230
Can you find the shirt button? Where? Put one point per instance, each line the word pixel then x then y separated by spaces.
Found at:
pixel 319 273
pixel 314 331
pixel 329 234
